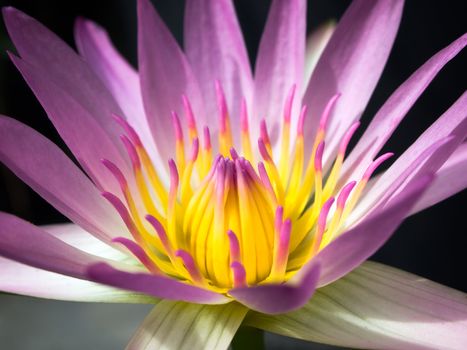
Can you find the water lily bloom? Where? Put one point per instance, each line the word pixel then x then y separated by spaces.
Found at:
pixel 227 197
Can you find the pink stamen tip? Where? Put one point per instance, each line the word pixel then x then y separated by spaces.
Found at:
pixel 229 173
pixel 113 199
pixel 132 153
pixel 263 150
pixel 177 126
pixel 327 111
pixel 264 177
pixel 375 164
pixel 347 137
pixel 120 120
pixel 250 170
pixel 324 214
pixel 264 132
pixel 194 150
pixel 246 169
pixel 234 246
pixel 116 173
pixel 301 120
pixel 233 153
pixel 344 194
pixel 288 103
pixel 284 240
pixel 138 252
pixel 222 105
pixel 239 172
pixel 190 117
pixel 220 184
pixel 160 231
pixel 239 274
pixel 278 219
pixel 174 178
pixel 122 211
pixel 190 264
pixel 319 157
pixel 128 129
pixel 206 138
pixel 244 116
pixel 286 226
pixel 213 169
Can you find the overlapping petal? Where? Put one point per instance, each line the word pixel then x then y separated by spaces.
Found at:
pixel 30 245
pixel 395 109
pixel 351 65
pixel 42 49
pixel 79 238
pixel 279 64
pixel 156 285
pixel 315 45
pixel 450 179
pixel 22 279
pixel 26 280
pixel 216 51
pixel 44 167
pixel 116 73
pixel 453 123
pixel 89 141
pixel 377 307
pixel 165 76
pixel 276 299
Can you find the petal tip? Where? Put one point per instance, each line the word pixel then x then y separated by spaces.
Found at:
pixel 274 299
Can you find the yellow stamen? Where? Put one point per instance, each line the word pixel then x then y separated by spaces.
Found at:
pixel 222 224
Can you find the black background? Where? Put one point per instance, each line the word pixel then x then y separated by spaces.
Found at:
pixel 431 244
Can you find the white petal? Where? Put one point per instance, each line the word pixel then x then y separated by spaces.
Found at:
pixel 83 240
pixel 178 325
pixel 315 45
pixel 377 307
pixel 21 279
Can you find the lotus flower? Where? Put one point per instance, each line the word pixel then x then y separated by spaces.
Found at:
pixel 227 198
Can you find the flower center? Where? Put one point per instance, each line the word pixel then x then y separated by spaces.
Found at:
pixel 223 222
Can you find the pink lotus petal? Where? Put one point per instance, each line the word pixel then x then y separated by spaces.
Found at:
pixel 44 167
pixel 119 77
pixel 21 279
pixel 439 153
pixel 353 247
pixel 30 245
pixel 351 64
pixel 452 123
pixel 279 64
pixel 87 104
pixel 211 34
pixel 276 299
pixel 450 179
pixel 157 286
pixel 394 110
pixel 84 135
pixel 377 307
pixel 45 51
pixel 26 280
pixel 165 76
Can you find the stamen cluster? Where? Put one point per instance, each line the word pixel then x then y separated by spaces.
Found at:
pixel 224 223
